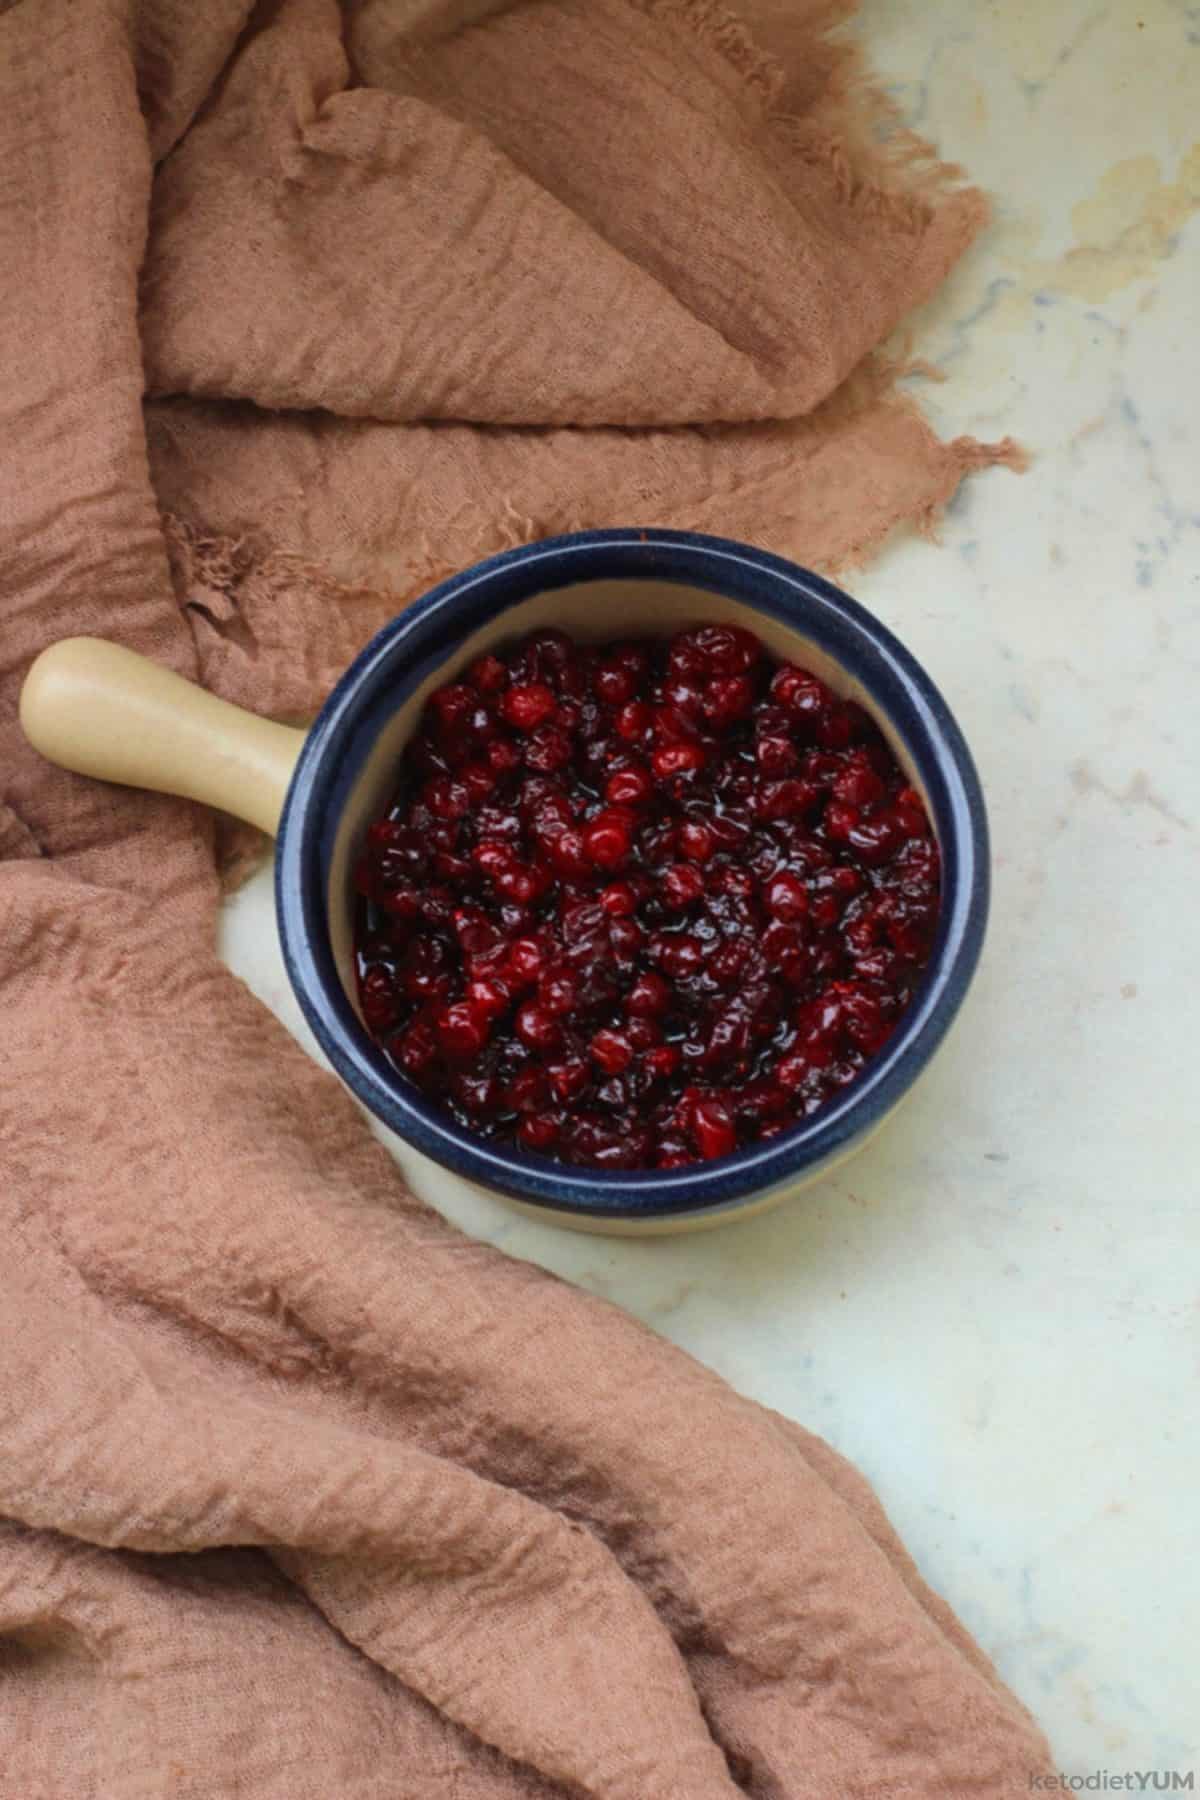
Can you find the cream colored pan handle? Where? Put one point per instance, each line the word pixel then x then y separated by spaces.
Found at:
pixel 101 710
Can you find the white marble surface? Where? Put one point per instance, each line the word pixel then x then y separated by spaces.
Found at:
pixel 995 1310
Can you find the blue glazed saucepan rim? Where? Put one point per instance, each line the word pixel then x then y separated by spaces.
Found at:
pixel 408 649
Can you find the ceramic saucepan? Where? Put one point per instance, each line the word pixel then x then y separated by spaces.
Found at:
pixel 99 709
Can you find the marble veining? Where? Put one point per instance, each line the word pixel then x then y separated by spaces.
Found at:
pixel 995 1310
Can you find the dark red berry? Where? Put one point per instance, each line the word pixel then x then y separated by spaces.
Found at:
pixel 487 675
pixel 634 721
pixel 606 841
pixel 539 1131
pixel 681 886
pixel 462 1030
pixel 786 896
pixel 712 1128
pixel 696 841
pixel 676 759
pixel 538 1027
pixel 629 787
pixel 612 1051
pixel 649 996
pixel 528 706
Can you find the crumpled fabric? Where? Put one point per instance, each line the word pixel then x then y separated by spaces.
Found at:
pixel 302 1493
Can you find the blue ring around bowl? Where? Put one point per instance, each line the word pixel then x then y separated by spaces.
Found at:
pixel 408 649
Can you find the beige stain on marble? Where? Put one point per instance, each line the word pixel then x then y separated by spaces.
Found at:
pixel 1126 227
pixel 1123 229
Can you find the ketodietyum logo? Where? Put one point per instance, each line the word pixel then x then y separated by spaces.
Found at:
pixel 1112 1781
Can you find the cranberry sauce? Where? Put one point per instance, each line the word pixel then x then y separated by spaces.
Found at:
pixel 640 904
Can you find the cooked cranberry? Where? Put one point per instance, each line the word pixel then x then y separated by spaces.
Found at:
pixel 503 756
pixel 568 854
pixel 612 1050
pixel 487 675
pixel 488 996
pixel 787 896
pixel 633 721
pixel 625 938
pixel 629 787
pixel 874 840
pixel 380 1001
pixel 726 649
pixel 528 706
pixel 614 683
pixel 615 878
pixel 548 749
pixel 447 798
pixel 451 706
pixel 677 759
pixel 649 996
pixel 776 754
pixel 682 956
pixel 663 1061
pixel 726 699
pixel 462 1030
pixel 528 1091
pixel 857 783
pixel 606 841
pixel 415 1049
pixel 539 1131
pixel 800 693
pixel 643 1034
pixel 537 1027
pixel 400 899
pixel 618 899
pixel 696 841
pixel 712 1128
pixel 568 1079
pixel 840 820
pixel 681 886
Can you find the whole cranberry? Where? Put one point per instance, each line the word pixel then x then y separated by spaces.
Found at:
pixel 450 707
pixel 634 720
pixel 614 683
pixel 857 783
pixel 800 694
pixel 539 1131
pixel 786 896
pixel 696 841
pixel 681 886
pixel 380 1001
pixel 462 1030
pixel 727 699
pixel 629 787
pixel 676 759
pixel 712 1128
pixel 528 706
pixel 619 899
pixel 682 957
pixel 568 1078
pixel 607 840
pixel 776 754
pixel 548 749
pixel 612 1051
pixel 503 756
pixel 487 675
pixel 650 996
pixel 538 1027
pixel 662 1062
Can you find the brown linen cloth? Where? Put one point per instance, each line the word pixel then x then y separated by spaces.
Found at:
pixel 304 1494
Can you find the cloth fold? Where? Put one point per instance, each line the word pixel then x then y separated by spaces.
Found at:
pixel 301 1492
